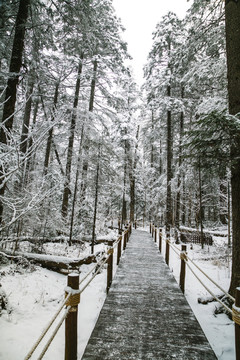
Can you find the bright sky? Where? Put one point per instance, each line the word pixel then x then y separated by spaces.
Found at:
pixel 140 17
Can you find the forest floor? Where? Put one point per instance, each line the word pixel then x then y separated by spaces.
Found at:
pixel 33 295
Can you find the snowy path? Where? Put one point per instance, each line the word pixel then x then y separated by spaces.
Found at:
pixel 145 315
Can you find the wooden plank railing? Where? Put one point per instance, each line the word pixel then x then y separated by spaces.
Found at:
pixel 72 299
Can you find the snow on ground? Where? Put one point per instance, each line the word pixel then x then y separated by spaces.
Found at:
pixel 34 297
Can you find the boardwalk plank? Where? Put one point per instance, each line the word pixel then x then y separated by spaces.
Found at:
pixel 145 315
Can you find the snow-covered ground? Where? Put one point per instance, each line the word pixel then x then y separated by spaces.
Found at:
pixel 34 295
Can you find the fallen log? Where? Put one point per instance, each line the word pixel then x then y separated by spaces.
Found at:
pixel 52 262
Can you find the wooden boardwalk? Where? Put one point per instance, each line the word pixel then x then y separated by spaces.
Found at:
pixel 145 315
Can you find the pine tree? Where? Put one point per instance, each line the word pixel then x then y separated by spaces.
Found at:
pixel 11 89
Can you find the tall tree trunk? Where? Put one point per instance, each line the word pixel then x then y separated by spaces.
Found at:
pixel 151 181
pixel 223 201
pixel 27 114
pixel 190 206
pixel 50 132
pixel 232 16
pixel 76 185
pixel 30 157
pixel 169 168
pixel 179 178
pixel 86 145
pixel 152 137
pixel 183 212
pixel 96 199
pixel 50 136
pixel 132 192
pixel 14 70
pixel 93 85
pixel 132 179
pixel 124 203
pixel 229 214
pixel 11 90
pixel 200 203
pixel 160 155
pixel 66 190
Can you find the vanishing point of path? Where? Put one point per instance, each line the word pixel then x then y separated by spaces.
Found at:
pixel 145 315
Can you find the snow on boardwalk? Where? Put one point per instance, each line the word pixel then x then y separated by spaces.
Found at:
pixel 145 315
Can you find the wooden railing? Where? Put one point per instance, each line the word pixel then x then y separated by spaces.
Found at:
pixel 69 306
pixel 185 261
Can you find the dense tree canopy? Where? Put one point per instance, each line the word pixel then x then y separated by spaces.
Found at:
pixel 81 145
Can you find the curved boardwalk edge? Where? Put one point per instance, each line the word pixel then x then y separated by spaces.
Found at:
pixel 145 315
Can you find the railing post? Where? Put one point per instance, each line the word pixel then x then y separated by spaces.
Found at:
pixel 110 265
pixel 167 251
pixel 71 321
pixel 155 235
pixel 119 249
pixel 160 240
pixel 183 268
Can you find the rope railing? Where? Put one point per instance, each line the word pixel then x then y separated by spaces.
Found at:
pixel 216 284
pixel 185 257
pixel 210 292
pixel 95 274
pixel 72 298
pixel 117 241
pixel 54 333
pixel 44 332
pixel 92 269
pixel 235 311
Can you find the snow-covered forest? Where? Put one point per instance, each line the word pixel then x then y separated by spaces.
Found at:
pixel 84 148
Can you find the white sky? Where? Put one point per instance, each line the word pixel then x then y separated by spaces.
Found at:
pixel 140 17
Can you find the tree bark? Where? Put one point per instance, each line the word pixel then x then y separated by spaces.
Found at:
pixel 96 199
pixel 200 203
pixel 169 167
pixel 86 146
pixel 152 137
pixel 76 186
pixel 66 190
pixel 132 180
pixel 183 212
pixel 11 90
pixel 14 70
pixel 50 132
pixel 232 16
pixel 31 158
pixel 126 168
pixel 132 193
pixel 223 217
pixel 27 114
pixel 124 203
pixel 178 199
